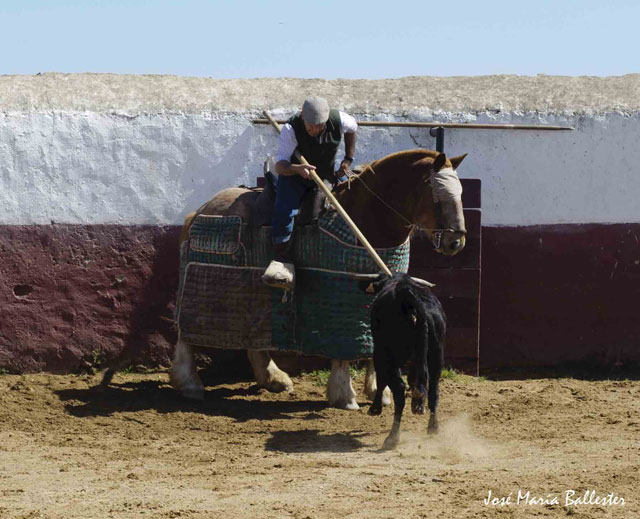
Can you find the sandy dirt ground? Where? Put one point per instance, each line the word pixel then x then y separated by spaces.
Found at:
pixel 141 451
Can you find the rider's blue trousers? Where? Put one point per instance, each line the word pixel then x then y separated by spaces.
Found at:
pixel 289 193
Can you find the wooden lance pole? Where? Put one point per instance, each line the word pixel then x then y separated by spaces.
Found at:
pixel 335 203
pixel 462 126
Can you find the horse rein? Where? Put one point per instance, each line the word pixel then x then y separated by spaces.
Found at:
pixel 436 234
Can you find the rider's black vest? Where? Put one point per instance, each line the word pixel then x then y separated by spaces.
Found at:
pixel 319 151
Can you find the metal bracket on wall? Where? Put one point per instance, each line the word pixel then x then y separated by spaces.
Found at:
pixel 438 133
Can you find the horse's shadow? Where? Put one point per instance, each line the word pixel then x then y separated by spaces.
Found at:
pixel 239 404
pixel 157 395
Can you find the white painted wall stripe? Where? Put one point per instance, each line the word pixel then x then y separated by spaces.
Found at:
pixel 105 168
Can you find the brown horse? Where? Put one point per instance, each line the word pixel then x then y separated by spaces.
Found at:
pixel 387 201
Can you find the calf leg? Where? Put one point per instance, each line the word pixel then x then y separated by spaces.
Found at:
pixel 418 390
pixel 435 370
pixel 267 373
pixel 184 377
pixel 419 373
pixel 371 385
pixel 382 380
pixel 340 391
pixel 398 389
pixel 381 365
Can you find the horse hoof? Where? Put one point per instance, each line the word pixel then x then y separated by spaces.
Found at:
pixel 351 405
pixel 386 397
pixel 279 387
pixel 432 428
pixel 280 383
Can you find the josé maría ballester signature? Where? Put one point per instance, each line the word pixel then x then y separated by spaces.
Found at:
pixel 566 498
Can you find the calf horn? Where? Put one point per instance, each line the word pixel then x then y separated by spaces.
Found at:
pixel 423 282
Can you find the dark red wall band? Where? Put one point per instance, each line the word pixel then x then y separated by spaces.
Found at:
pixel 73 295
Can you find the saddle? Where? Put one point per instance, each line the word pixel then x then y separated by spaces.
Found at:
pixel 312 206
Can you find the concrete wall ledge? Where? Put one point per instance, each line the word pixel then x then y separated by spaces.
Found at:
pixel 152 94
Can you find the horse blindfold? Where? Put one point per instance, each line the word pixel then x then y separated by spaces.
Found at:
pixel 445 185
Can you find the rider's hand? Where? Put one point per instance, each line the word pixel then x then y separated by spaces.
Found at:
pixel 303 170
pixel 344 170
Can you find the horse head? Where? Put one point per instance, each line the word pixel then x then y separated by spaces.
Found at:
pixel 440 213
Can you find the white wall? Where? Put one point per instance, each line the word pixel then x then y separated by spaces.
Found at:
pixel 96 167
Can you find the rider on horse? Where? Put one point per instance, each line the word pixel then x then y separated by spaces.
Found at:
pixel 316 132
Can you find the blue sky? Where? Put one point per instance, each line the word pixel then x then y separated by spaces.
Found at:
pixel 326 39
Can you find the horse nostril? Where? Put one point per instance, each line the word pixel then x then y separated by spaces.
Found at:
pixel 455 244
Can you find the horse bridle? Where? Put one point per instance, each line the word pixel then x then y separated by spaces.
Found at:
pixel 435 234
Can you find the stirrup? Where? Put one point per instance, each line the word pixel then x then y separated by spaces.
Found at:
pixel 280 275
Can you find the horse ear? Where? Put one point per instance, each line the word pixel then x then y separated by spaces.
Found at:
pixel 439 162
pixel 455 161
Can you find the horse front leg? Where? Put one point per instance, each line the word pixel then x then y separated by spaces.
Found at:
pixel 183 374
pixel 268 374
pixel 340 391
pixel 371 385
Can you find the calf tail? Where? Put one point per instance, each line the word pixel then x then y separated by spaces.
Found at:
pixel 420 365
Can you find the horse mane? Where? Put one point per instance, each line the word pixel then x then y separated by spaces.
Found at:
pixel 368 167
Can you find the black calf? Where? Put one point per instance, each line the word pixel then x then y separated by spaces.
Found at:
pixel 408 327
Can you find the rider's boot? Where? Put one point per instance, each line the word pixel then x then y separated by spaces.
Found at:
pixel 281 273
